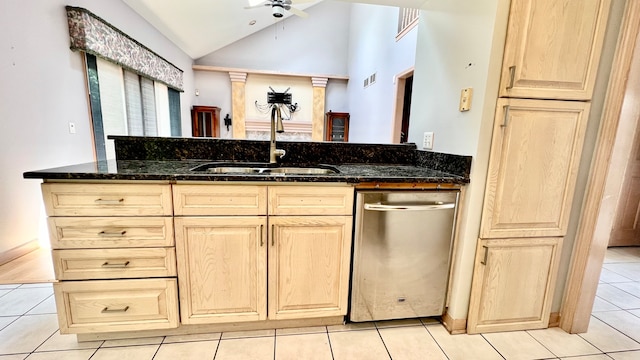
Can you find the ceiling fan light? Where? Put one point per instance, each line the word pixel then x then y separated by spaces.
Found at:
pixel 278 10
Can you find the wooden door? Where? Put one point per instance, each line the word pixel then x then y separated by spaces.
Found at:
pixel 309 266
pixel 513 284
pixel 222 269
pixel 553 48
pixel 533 166
pixel 626 227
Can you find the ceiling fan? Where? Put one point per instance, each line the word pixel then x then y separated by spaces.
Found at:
pixel 278 7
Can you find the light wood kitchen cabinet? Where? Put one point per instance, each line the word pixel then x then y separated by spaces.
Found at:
pixel 553 48
pixel 222 268
pixel 231 266
pixel 309 266
pixel 116 305
pixel 113 252
pixel 533 166
pixel 513 284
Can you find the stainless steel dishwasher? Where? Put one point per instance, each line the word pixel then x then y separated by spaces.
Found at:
pixel 402 253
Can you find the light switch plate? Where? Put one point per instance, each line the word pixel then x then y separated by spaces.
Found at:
pixel 427 141
pixel 465 99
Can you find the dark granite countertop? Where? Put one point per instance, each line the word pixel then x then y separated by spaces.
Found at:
pixel 172 159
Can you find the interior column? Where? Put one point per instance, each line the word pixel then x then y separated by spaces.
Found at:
pixel 238 103
pixel 317 120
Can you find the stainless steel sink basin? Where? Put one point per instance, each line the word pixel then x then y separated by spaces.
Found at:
pixel 256 168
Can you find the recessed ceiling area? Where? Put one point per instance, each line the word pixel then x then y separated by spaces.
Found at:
pixel 200 27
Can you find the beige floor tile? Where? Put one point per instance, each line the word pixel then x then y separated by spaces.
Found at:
pixel 396 323
pixel 463 346
pixel 256 348
pixel 19 301
pixel 603 305
pixel 632 288
pixel 412 342
pixel 623 321
pixel 616 255
pixel 62 355
pixel 608 339
pixel 518 345
pixel 626 355
pixel 352 326
pixel 198 350
pixel 617 297
pixel 58 342
pixel 588 357
pixel 306 346
pixel 629 270
pixel 302 330
pixel 352 345
pixel 9 286
pixel 248 334
pixel 48 306
pixel 37 285
pixel 13 357
pixel 144 352
pixel 194 337
pixel 563 344
pixel 608 276
pixel 27 333
pixel 132 342
pixel 6 320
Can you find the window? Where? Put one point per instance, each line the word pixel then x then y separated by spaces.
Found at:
pixel 126 103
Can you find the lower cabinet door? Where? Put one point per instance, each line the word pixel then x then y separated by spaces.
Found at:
pixel 513 284
pixel 309 266
pixel 116 305
pixel 222 269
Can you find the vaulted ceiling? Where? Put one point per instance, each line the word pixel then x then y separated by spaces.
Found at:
pixel 200 27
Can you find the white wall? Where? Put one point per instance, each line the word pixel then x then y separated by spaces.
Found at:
pixel 460 44
pixel 42 90
pixel 373 49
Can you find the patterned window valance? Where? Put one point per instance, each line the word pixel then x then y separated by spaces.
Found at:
pixel 93 35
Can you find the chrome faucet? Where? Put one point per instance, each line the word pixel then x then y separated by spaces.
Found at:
pixel 276 126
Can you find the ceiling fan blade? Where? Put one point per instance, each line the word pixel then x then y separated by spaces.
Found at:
pixel 298 12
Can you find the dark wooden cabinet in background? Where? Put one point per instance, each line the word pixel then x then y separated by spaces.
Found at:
pixel 205 121
pixel 337 126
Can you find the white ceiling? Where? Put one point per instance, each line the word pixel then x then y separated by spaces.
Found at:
pixel 199 27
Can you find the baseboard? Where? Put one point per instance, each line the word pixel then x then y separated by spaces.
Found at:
pixel 454 326
pixel 554 319
pixel 18 251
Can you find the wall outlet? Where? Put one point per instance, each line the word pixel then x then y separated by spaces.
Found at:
pixel 427 141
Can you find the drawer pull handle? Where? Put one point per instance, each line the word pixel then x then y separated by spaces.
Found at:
pixel 117 233
pixel 116 265
pixel 107 310
pixel 110 201
pixel 512 75
pixel 261 236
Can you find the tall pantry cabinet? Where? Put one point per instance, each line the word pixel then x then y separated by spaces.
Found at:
pixel 551 57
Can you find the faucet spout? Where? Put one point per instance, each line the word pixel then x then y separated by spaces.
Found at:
pixel 273 152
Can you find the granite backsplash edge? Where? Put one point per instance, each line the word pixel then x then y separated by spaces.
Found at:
pixel 297 153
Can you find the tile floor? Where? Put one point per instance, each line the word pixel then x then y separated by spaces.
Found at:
pixel 29 330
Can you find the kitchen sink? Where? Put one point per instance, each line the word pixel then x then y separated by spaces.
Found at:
pixel 264 168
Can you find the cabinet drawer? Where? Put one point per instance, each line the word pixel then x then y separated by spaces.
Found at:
pixel 116 305
pixel 62 199
pixel 220 200
pixel 85 264
pixel 310 200
pixel 110 232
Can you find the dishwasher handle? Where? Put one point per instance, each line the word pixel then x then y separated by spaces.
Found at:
pixel 383 207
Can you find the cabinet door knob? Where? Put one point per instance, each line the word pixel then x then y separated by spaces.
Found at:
pixel 261 235
pixel 505 121
pixel 486 256
pixel 273 235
